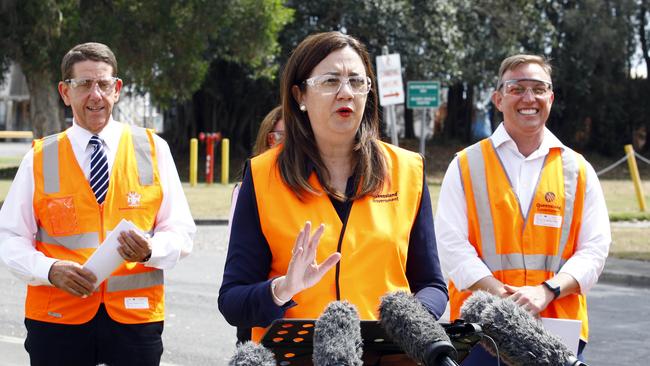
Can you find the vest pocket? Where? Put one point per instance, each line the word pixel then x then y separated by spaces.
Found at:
pixel 62 215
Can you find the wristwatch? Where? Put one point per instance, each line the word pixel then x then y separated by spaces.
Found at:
pixel 555 290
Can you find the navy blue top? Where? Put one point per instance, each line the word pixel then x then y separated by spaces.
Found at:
pixel 245 294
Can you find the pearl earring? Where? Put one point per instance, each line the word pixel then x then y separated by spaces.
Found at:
pixel 303 107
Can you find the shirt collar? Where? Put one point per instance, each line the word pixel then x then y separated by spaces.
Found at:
pixel 110 134
pixel 500 137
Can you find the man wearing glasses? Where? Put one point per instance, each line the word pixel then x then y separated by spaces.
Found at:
pixel 71 190
pixel 521 215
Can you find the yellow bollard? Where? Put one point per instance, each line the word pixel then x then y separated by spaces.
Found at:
pixel 225 160
pixel 634 174
pixel 194 160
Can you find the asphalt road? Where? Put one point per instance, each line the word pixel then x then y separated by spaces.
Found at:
pixel 196 333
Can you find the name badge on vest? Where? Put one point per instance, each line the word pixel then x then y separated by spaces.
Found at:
pixel 136 302
pixel 547 220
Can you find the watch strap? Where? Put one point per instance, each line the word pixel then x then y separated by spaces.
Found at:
pixel 555 290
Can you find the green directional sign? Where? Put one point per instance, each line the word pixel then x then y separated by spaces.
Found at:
pixel 423 94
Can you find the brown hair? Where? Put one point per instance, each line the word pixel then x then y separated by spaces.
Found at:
pixel 300 144
pixel 512 62
pixel 92 51
pixel 267 125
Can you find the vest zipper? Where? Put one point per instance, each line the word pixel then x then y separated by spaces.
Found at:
pixel 338 249
pixel 102 286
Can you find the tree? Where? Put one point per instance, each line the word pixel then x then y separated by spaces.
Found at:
pixel 163 46
pixel 591 61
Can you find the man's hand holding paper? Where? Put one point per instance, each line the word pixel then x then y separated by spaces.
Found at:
pixel 124 242
pixel 134 247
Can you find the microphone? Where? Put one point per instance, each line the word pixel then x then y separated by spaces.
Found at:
pixel 252 354
pixel 337 336
pixel 521 339
pixel 411 326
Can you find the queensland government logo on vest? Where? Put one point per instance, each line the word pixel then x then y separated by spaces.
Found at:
pixel 133 199
pixel 550 206
pixel 385 198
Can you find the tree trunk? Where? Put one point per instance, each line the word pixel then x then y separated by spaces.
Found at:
pixel 458 124
pixel 642 36
pixel 45 109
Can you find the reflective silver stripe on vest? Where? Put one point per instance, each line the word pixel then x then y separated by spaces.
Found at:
pixel 518 261
pixel 570 169
pixel 72 242
pixel 51 164
pixel 503 262
pixel 135 281
pixel 143 155
pixel 481 198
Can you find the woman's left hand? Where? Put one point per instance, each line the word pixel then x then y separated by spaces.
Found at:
pixel 304 272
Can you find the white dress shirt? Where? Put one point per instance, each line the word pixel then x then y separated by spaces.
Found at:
pixel 459 259
pixel 173 233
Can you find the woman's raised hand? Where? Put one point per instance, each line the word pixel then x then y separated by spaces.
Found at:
pixel 304 272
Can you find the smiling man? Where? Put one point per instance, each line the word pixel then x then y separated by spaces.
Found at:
pixel 521 215
pixel 71 190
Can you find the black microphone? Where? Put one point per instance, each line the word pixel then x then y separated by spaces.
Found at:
pixel 337 336
pixel 252 354
pixel 520 338
pixel 415 330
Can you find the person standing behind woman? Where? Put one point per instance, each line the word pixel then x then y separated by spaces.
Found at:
pixel 270 133
pixel 374 223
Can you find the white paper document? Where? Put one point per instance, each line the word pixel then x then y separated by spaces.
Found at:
pixel 106 259
pixel 567 329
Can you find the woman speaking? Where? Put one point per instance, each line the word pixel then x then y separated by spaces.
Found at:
pixel 332 213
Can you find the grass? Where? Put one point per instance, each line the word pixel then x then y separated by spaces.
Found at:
pixel 630 243
pixel 9 161
pixel 213 202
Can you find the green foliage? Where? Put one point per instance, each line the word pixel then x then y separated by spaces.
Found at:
pixel 163 46
pixel 591 56
pixel 421 31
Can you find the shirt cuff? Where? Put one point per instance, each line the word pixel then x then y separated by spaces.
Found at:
pixel 42 270
pixel 283 307
pixel 468 272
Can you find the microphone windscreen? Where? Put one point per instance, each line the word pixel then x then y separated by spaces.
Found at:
pixel 337 336
pixel 473 307
pixel 410 325
pixel 252 354
pixel 521 339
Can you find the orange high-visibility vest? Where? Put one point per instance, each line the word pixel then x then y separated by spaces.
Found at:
pixel 373 243
pixel 524 250
pixel 71 225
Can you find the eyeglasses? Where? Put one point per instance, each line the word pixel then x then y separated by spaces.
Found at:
pixel 106 85
pixel 331 84
pixel 277 135
pixel 515 88
pixel 274 137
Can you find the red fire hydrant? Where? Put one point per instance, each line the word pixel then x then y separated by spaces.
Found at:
pixel 209 138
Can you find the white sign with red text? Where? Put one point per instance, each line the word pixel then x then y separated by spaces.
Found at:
pixel 389 78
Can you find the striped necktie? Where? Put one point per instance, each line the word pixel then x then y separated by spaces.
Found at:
pixel 98 170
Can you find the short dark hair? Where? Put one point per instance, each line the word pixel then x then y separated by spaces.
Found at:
pixel 299 142
pixel 92 51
